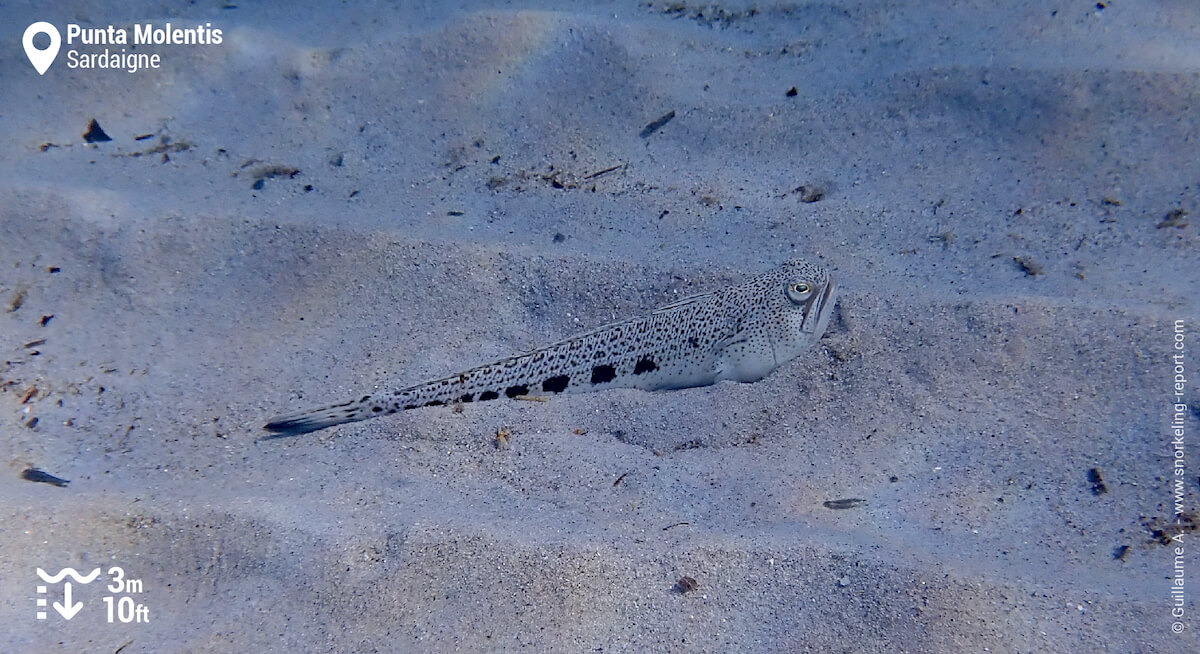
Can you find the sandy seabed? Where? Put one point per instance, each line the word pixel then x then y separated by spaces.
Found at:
pixel 977 456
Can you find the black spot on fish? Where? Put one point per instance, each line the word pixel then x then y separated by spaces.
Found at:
pixel 602 374
pixel 488 395
pixel 377 409
pixel 365 398
pixel 469 397
pixel 513 391
pixel 645 364
pixel 556 384
pixel 693 341
pixel 409 406
pixel 434 403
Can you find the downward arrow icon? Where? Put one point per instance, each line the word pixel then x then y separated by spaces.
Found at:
pixel 64 608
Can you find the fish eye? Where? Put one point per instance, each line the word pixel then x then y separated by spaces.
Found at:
pixel 799 292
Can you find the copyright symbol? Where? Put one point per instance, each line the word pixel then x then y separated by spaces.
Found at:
pixel 1177 627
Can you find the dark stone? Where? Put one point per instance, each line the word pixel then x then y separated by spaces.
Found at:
pixel 95 134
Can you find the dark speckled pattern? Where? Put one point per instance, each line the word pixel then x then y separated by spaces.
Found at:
pixel 738 333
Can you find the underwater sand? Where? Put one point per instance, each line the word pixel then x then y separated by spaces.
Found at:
pixel 332 202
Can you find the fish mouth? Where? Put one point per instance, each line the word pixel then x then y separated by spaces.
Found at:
pixel 816 316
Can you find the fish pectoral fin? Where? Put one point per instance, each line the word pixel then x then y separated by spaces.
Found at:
pixel 725 343
pixel 731 335
pixel 739 364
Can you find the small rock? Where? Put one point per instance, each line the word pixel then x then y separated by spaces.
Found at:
pixel 811 193
pixel 95 134
pixel 1029 266
pixel 1174 218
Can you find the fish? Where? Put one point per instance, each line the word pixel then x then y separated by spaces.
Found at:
pixel 739 333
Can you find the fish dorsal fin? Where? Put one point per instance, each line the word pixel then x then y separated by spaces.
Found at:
pixel 683 302
pixel 668 308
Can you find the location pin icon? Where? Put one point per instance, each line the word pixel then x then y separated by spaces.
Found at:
pixel 41 59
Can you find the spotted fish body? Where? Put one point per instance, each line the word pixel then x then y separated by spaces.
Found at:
pixel 740 333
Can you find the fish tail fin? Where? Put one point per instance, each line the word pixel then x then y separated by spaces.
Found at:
pixel 303 422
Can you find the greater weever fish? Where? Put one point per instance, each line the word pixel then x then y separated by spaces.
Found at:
pixel 739 333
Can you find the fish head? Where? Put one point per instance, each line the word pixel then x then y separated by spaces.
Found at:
pixel 805 295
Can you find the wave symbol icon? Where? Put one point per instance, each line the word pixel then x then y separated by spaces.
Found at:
pixel 54 579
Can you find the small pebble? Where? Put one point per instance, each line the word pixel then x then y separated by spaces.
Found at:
pixel 686 584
